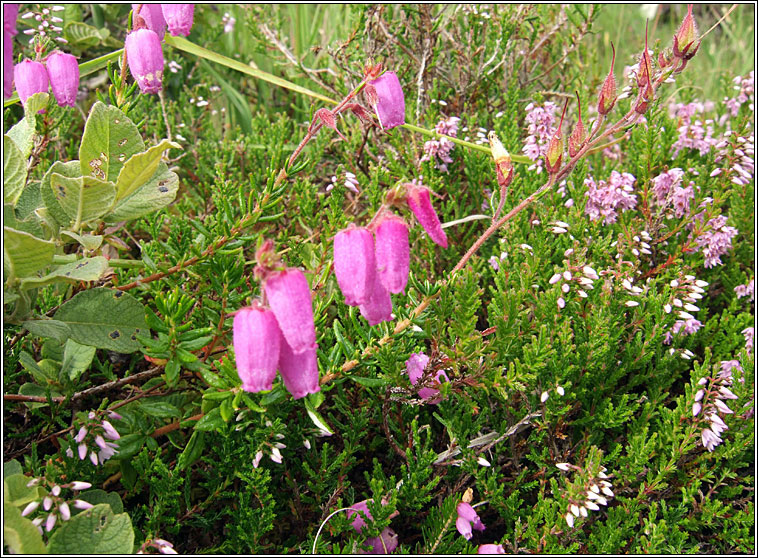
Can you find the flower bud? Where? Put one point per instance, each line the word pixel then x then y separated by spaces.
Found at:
pixel 503 162
pixel 577 137
pixel 686 36
pixel 290 299
pixel 419 200
pixel 378 308
pixel 178 17
pixel 64 77
pixel 645 71
pixel 30 78
pixel 256 347
pixel 392 252
pixel 355 264
pixel 145 57
pixel 371 70
pixel 299 370
pixel 152 17
pixel 554 152
pixel 390 101
pixel 607 97
pixel 7 64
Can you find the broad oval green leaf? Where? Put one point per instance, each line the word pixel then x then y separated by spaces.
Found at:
pixel 72 169
pixel 48 328
pixel 86 269
pixel 155 194
pixel 83 198
pixel 14 171
pixel 20 534
pixel 104 318
pixel 76 359
pixel 140 168
pixel 94 531
pixel 24 254
pixel 81 35
pixel 109 140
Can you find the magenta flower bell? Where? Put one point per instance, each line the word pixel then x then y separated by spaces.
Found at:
pixel 419 200
pixel 467 518
pixel 30 78
pixel 355 264
pixel 379 307
pixel 179 18
pixel 392 253
pixel 10 15
pixel 145 57
pixel 64 77
pixel 7 64
pixel 153 16
pixel 290 299
pixel 415 367
pixel 385 543
pixel 390 101
pixel 257 340
pixel 299 370
pixel 490 549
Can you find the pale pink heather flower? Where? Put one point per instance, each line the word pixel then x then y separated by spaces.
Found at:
pixel 30 508
pixel 290 299
pixel 710 439
pixel 390 100
pixel 419 201
pixel 64 511
pixel 355 264
pixel 379 306
pixel 228 22
pixel 80 485
pixel 467 518
pixel 490 549
pixel 415 366
pixel 746 290
pixel 110 432
pixel 81 434
pixel 606 199
pixel 540 130
pixel 392 252
pixel 82 505
pixel 257 340
pixel 299 371
pixel 726 369
pixel 440 148
pixel 50 522
pixel 749 333
pixel 715 242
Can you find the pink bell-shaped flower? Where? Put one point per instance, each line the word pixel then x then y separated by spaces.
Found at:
pixel 7 64
pixel 355 264
pixel 179 18
pixel 145 57
pixel 393 252
pixel 390 100
pixel 289 296
pixel 467 518
pixel 385 543
pixel 152 14
pixel 490 549
pixel 379 307
pixel 64 77
pixel 30 78
pixel 299 370
pixel 257 342
pixel 419 200
pixel 415 367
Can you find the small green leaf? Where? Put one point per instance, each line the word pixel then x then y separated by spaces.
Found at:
pixel 76 359
pixel 316 418
pixel 104 318
pixel 192 451
pixel 24 254
pixel 94 531
pixel 108 141
pixel 12 467
pixel 89 241
pixel 83 198
pixel 72 169
pixel 225 409
pixel 48 328
pixel 14 171
pixel 153 195
pixel 16 493
pixel 173 369
pixel 129 445
pixel 20 534
pixel 159 409
pixel 211 421
pixel 86 269
pixel 34 104
pixel 217 395
pixel 140 168
pixel 369 382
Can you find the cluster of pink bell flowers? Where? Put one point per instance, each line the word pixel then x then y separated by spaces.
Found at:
pixel 277 332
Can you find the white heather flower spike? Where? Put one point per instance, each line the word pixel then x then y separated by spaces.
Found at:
pixel 544 397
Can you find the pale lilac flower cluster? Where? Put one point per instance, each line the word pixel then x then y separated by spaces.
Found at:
pixel 55 506
pixel 726 367
pixel 687 291
pixel 693 133
pixel 596 492
pixel 640 245
pixel 438 150
pixel 351 182
pixel 540 129
pixel 44 23
pixel 716 241
pixel 747 289
pixel 584 278
pixel 668 190
pixel 228 22
pixel 711 402
pixel 91 438
pixel 746 87
pixel 741 151
pixel 161 545
pixel 749 333
pixel 606 199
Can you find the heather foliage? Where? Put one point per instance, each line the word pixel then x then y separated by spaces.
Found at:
pixel 382 278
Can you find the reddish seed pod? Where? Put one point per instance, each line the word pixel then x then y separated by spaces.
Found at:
pixel 554 152
pixel 578 136
pixel 607 97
